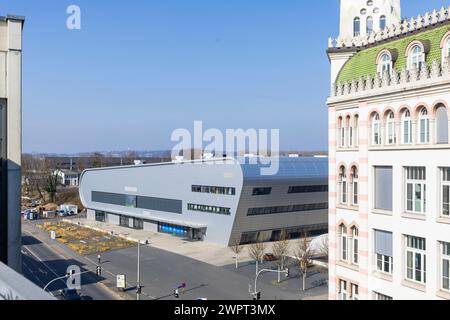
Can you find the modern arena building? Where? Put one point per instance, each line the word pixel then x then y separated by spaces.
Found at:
pixel 216 200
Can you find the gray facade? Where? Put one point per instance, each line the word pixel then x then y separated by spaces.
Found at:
pixel 215 200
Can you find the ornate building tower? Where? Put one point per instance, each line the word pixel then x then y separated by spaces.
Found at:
pixel 362 17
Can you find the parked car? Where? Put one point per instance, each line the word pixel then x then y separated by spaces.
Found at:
pixel 270 257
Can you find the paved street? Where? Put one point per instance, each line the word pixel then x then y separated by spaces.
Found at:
pixel 161 272
pixel 42 264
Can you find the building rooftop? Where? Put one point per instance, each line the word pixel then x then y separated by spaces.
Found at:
pixel 289 168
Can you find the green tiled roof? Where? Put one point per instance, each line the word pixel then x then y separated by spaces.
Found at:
pixel 364 62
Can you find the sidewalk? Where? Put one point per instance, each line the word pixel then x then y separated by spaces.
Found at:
pixel 206 252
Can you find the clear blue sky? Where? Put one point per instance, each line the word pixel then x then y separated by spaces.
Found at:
pixel 140 69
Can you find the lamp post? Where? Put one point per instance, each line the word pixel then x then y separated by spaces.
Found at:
pixel 256 294
pixel 138 287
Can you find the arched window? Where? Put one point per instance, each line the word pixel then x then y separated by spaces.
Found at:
pixel 407 127
pixel 356 26
pixel 385 64
pixel 376 130
pixel 390 128
pixel 356 131
pixel 416 57
pixel 441 125
pixel 355 189
pixel 355 245
pixel 382 22
pixel 343 197
pixel 369 25
pixel 349 132
pixel 341 132
pixel 343 242
pixel 424 126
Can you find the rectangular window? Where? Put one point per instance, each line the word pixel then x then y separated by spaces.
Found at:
pixel 308 189
pixel 214 190
pixel 416 259
pixel 355 292
pixel 138 224
pixel 287 209
pixel 262 191
pixel 382 297
pixel 445 263
pixel 355 192
pixel 342 290
pixel 407 129
pixel 209 209
pixel 355 242
pixel 415 190
pixel 100 216
pixel 384 251
pixel 383 188
pixel 344 192
pixel 344 244
pixel 124 221
pixel 445 196
pixel 159 204
pixel 130 201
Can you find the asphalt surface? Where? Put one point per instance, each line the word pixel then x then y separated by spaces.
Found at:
pixel 42 264
pixel 161 273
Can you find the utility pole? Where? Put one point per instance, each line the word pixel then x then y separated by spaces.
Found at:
pixel 138 288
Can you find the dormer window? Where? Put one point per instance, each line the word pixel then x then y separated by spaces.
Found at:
pixel 415 54
pixel 445 46
pixel 385 61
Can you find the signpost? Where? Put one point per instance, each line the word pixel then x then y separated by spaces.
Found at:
pixel 121 282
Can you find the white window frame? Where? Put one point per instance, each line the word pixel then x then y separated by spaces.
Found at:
pixel 391 137
pixel 356 133
pixel 369 31
pixel 416 56
pixel 384 260
pixel 343 244
pixel 415 180
pixel 341 129
pixel 445 193
pixel 423 127
pixel 382 297
pixel 385 63
pixel 356 33
pixel 407 125
pixel 355 186
pixel 343 189
pixel 444 258
pixel 343 290
pixel 354 288
pixel 355 246
pixel 416 252
pixel 376 130
pixel 446 49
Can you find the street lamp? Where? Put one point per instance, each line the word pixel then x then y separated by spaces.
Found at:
pixel 256 294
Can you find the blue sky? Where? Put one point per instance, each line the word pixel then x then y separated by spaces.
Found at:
pixel 137 70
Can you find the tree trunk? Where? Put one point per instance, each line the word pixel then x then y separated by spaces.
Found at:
pixel 257 268
pixel 237 263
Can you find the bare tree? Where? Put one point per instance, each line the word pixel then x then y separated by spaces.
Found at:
pixel 236 247
pixel 280 250
pixel 256 252
pixel 303 255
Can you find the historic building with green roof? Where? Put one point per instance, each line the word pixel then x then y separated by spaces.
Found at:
pixel 389 154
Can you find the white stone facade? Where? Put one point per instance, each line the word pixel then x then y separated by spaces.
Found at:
pixel 389 129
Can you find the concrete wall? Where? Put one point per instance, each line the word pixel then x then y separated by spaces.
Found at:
pixel 11 90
